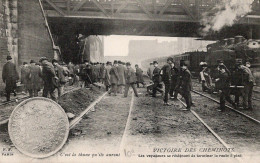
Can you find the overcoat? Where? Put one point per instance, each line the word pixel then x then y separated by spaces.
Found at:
pixel 139 75
pixel 121 74
pixel 113 75
pixel 48 73
pixel 130 76
pixel 10 76
pixel 35 81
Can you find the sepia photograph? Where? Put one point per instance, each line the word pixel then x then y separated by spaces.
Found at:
pixel 129 81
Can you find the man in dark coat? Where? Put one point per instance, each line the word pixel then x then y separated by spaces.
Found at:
pixel 223 81
pixel 60 73
pixel 130 79
pixel 48 76
pixel 86 72
pixel 185 86
pixel 10 77
pixel 139 75
pixel 114 77
pixel 156 77
pixel 107 75
pixel 121 74
pixel 169 78
pixel 34 83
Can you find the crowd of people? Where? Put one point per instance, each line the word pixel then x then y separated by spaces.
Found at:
pixel 49 76
pixel 120 76
pixel 238 81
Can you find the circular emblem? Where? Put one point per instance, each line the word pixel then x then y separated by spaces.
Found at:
pixel 38 127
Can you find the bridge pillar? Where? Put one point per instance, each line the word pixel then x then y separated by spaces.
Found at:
pixel 250 33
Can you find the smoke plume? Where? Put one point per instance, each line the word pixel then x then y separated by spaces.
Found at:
pixel 227 12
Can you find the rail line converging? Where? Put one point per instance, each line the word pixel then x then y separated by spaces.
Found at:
pixel 211 130
pixel 235 110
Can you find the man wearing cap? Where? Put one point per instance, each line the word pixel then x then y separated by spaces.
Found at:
pixel 247 80
pixel 114 77
pixel 223 80
pixel 10 77
pixel 34 83
pixel 121 74
pixel 60 73
pixel 48 76
pixel 150 70
pixel 169 77
pixel 130 79
pixel 185 86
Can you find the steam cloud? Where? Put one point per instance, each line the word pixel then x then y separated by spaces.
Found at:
pixel 228 11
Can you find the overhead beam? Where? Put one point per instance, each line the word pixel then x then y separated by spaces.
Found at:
pixel 79 5
pixel 187 9
pixel 122 7
pixel 123 16
pixel 56 8
pixel 167 4
pixel 142 5
pixel 100 7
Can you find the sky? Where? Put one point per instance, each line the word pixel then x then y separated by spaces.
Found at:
pixel 117 45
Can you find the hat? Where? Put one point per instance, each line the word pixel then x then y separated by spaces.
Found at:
pixel 32 61
pixel 239 61
pixel 170 59
pixel 115 62
pixel 8 57
pixel 42 59
pixel 25 63
pixel 155 62
pixel 151 63
pixel 219 61
pixel 128 63
pixel 54 60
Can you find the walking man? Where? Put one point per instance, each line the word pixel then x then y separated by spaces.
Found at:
pixel 114 77
pixel 10 77
pixel 186 86
pixel 60 73
pixel 156 77
pixel 48 76
pixel 130 79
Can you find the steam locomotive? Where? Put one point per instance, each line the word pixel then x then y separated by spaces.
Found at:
pixel 227 50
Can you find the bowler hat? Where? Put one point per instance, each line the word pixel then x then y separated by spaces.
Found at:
pixel 170 59
pixel 42 59
pixel 128 63
pixel 155 62
pixel 8 57
pixel 32 61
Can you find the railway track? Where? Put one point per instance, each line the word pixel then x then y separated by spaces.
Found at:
pixel 237 111
pixel 211 131
pixel 255 91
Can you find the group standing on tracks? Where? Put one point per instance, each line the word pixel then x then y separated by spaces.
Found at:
pixel 120 76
